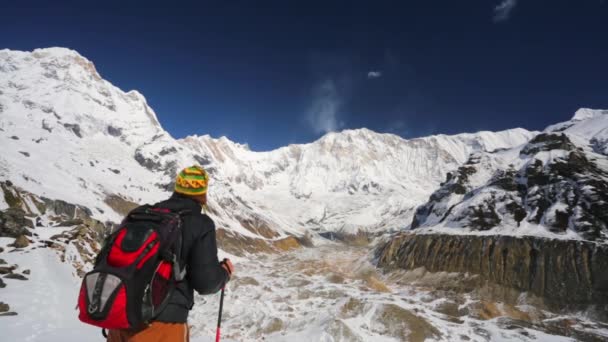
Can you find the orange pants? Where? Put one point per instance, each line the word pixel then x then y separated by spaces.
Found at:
pixel 155 332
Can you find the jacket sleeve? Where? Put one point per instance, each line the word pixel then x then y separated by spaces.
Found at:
pixel 206 274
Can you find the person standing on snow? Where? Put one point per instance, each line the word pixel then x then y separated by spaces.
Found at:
pixel 204 272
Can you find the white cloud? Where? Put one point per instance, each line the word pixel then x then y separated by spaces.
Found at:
pixel 323 112
pixel 398 127
pixel 374 74
pixel 502 11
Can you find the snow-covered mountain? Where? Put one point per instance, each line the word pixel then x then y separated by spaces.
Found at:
pixel 69 134
pixel 78 152
pixel 556 186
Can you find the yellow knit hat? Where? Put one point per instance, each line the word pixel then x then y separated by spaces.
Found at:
pixel 192 180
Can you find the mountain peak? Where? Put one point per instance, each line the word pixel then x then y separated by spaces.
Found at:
pixel 56 51
pixel 590 125
pixel 352 134
pixel 50 52
pixel 50 60
pixel 587 113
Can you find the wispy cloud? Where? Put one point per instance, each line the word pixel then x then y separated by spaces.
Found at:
pixel 397 127
pixel 502 12
pixel 374 74
pixel 323 112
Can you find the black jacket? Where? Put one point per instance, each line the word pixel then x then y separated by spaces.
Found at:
pixel 199 253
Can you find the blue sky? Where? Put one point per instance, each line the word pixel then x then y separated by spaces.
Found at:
pixel 270 73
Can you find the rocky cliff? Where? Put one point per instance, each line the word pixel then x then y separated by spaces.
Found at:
pixel 564 273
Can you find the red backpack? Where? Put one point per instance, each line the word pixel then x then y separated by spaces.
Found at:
pixel 135 272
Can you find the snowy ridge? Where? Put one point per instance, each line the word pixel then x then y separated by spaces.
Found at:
pixel 555 186
pixel 66 128
pixel 356 179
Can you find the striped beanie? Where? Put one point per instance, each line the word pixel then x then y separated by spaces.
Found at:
pixel 192 180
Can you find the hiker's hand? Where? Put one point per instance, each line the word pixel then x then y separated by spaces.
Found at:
pixel 227 265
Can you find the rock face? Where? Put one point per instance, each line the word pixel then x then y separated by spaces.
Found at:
pixel 562 272
pixel 63 208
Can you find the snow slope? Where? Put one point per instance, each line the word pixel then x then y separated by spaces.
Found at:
pixel 45 302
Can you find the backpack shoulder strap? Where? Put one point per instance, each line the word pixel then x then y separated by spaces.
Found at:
pixel 179 268
pixel 175 254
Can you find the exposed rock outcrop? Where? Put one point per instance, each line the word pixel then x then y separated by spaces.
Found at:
pixel 13 223
pixel 86 235
pixel 564 273
pixel 62 208
pixel 552 184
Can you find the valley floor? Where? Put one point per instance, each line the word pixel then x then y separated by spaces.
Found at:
pixel 333 293
pixel 327 293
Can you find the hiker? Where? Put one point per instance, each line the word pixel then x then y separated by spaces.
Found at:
pixel 204 273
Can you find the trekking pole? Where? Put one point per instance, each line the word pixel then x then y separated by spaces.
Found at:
pixel 219 318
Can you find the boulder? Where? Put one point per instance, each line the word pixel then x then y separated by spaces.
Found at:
pixel 15 276
pixel 403 324
pixel 2 284
pixel 7 269
pixel 21 242
pixel 13 223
